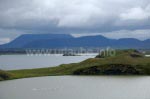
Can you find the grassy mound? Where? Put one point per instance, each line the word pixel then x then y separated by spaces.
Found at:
pixel 5 75
pixel 130 52
pixel 126 62
pixel 110 69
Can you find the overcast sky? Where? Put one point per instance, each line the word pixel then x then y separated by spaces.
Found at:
pixel 111 18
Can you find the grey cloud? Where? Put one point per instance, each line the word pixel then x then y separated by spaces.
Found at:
pixel 4 40
pixel 138 34
pixel 74 16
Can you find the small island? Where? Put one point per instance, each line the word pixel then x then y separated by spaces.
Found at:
pixel 125 62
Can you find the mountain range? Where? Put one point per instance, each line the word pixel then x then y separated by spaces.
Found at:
pixel 66 40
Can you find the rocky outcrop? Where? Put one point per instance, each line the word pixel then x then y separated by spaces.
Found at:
pixel 111 69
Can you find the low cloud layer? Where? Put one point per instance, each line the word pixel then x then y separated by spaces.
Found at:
pixel 75 16
pixel 138 34
pixel 4 40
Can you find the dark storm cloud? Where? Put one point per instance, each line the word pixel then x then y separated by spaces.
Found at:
pixel 73 16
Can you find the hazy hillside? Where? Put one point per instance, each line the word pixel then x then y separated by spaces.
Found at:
pixel 22 40
pixel 63 40
pixel 89 41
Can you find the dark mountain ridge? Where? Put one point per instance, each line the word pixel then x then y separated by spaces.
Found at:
pixel 66 40
pixel 24 39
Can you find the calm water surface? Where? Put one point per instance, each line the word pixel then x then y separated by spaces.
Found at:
pixel 68 87
pixel 11 62
pixel 77 87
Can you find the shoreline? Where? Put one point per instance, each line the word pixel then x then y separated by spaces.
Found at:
pixel 126 62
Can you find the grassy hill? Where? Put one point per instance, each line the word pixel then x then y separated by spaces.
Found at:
pixel 126 62
pixel 5 75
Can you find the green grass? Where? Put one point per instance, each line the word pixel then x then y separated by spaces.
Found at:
pixel 5 75
pixel 124 62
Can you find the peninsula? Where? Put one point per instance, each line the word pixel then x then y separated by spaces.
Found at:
pixel 125 62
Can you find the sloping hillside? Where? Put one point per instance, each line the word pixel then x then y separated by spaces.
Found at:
pixel 126 62
pixel 22 40
pixel 67 41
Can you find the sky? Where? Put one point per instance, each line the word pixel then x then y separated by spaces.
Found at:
pixel 111 18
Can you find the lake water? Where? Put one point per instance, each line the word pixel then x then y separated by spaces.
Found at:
pixel 77 87
pixel 147 55
pixel 11 62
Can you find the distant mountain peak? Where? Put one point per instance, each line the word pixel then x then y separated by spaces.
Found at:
pixel 66 40
pixel 24 39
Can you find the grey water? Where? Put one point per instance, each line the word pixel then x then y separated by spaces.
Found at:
pixel 77 87
pixel 14 62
